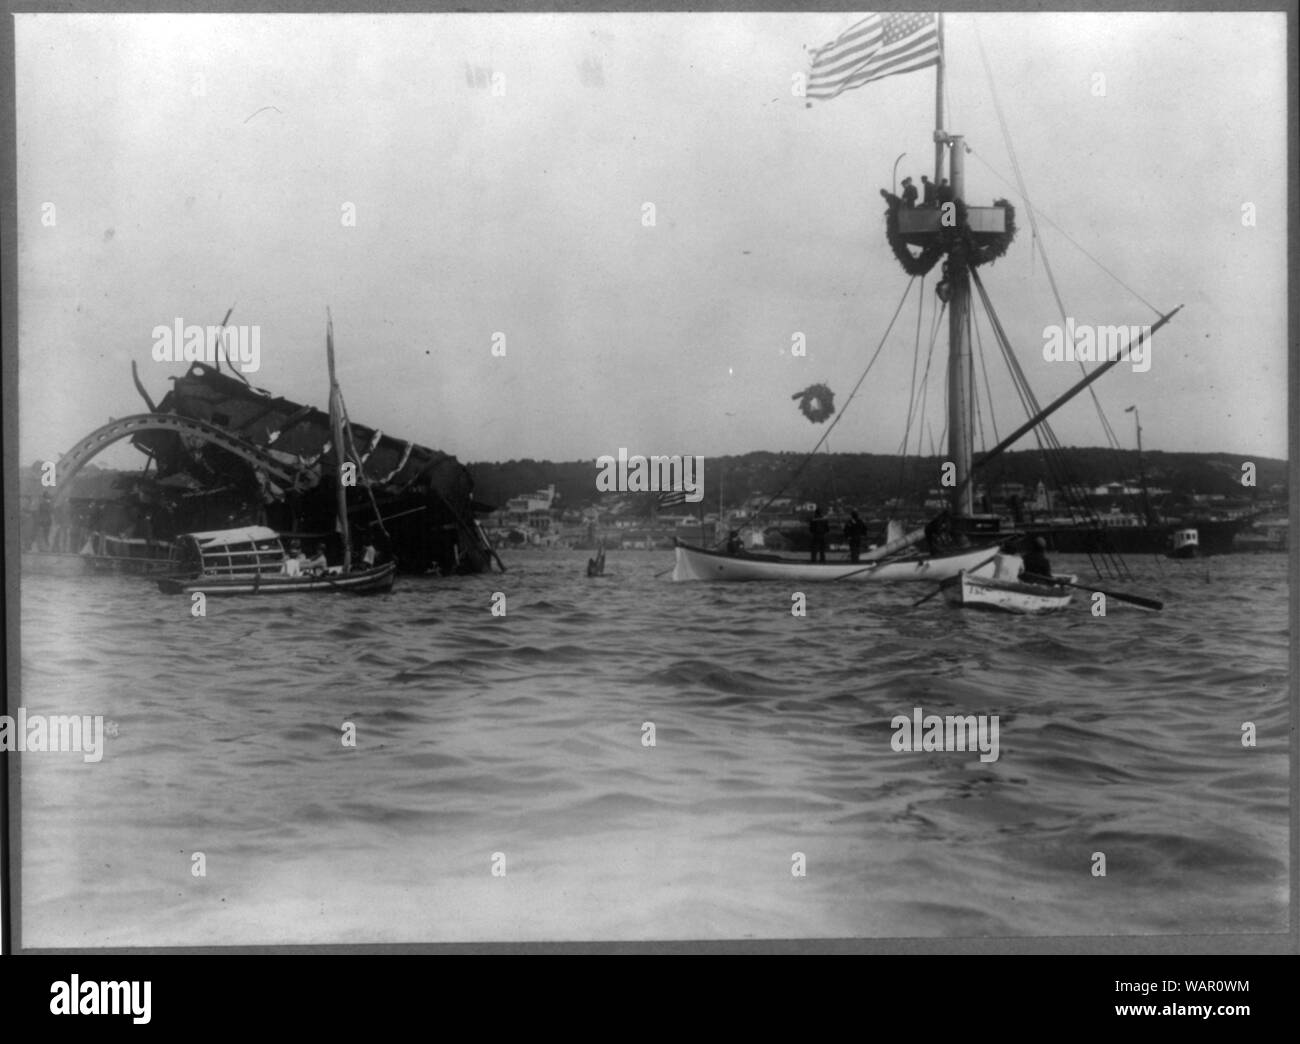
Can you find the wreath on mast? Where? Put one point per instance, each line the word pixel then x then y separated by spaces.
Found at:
pixel 979 250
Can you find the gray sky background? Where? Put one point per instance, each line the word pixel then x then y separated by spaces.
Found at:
pixel 522 213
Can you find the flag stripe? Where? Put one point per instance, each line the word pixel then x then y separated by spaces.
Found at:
pixel 876 47
pixel 875 69
pixel 900 64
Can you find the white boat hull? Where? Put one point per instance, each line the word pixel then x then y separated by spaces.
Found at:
pixel 695 563
pixel 1009 596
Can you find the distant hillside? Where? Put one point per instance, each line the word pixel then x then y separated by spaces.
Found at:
pixel 867 478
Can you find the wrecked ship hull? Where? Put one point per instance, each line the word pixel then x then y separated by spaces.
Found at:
pixel 425 496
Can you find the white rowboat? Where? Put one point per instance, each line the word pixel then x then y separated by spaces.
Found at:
pixel 1010 596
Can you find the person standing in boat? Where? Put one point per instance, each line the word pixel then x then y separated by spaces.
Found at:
pixel 1036 567
pixel 819 528
pixel 927 191
pixel 854 530
pixel 368 553
pixel 734 544
pixel 909 193
pixel 938 532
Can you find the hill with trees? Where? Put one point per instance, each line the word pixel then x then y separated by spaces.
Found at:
pixel 868 479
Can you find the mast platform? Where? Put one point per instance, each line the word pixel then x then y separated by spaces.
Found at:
pixel 920 226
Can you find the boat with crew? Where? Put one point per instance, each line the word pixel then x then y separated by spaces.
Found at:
pixel 1010 596
pixel 252 560
pixel 963 237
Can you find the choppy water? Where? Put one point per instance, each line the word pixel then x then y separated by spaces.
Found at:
pixel 523 736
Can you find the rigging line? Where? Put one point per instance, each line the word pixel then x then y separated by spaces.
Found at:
pixel 1053 453
pixel 916 355
pixel 975 399
pixel 1033 224
pixel 922 394
pixel 925 376
pixel 365 480
pixel 1048 218
pixel 988 387
pixel 911 393
pixel 843 409
pixel 1113 446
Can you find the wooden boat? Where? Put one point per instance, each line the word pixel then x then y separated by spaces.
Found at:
pixel 697 563
pixel 1009 596
pixel 251 560
pixel 333 581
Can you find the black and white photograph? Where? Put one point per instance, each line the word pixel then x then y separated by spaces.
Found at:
pixel 658 478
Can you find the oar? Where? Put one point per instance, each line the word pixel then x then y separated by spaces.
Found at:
pixel 950 580
pixel 1119 596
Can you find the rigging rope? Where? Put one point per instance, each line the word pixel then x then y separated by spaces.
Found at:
pixel 1048 218
pixel 988 387
pixel 917 396
pixel 1033 224
pixel 1053 453
pixel 1114 444
pixel 843 409
pixel 916 358
pixel 975 397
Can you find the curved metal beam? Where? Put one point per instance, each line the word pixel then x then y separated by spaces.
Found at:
pixel 124 427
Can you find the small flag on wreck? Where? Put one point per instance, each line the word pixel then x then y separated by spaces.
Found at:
pixel 876 47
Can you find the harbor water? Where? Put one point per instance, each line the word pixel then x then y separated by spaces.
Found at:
pixel 625 758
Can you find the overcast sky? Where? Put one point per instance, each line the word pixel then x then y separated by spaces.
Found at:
pixel 195 162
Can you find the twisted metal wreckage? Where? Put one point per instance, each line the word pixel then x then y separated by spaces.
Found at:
pixel 225 453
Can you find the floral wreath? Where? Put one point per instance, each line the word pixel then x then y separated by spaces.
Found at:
pixel 816 401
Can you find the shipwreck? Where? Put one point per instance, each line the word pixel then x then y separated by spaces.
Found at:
pixel 222 453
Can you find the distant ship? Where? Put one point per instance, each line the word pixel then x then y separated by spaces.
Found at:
pixel 1127 535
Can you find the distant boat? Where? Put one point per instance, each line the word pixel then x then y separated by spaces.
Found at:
pixel 1010 596
pixel 1187 544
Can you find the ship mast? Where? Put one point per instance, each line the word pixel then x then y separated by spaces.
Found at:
pixel 960 365
pixel 938 105
pixel 960 373
pixel 336 435
pixel 1142 478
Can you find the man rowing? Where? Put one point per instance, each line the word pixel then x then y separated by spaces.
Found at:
pixel 1036 568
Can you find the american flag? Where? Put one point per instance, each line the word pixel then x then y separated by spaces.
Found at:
pixel 878 46
pixel 671 498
